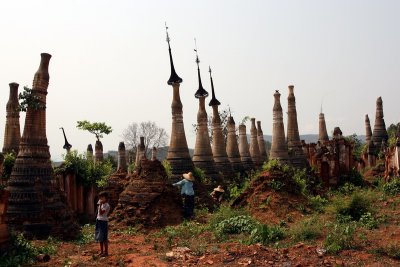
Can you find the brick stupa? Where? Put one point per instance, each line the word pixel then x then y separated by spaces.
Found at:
pixel 232 148
pixel 222 163
pixel 254 148
pixel 178 151
pixel 245 156
pixel 279 148
pixel 12 133
pixel 379 134
pixel 261 143
pixel 35 205
pixel 322 132
pixel 368 131
pixel 297 157
pixel 203 156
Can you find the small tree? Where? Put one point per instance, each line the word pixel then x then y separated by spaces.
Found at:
pixel 154 136
pixel 96 128
pixel 29 100
pixel 392 132
pixel 358 145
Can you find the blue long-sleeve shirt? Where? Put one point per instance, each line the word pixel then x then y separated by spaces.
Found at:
pixel 187 187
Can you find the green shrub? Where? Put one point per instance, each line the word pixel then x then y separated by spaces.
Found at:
pixel 317 203
pixel 86 236
pixel 87 171
pixel 20 253
pixel 292 180
pixel 308 229
pixel 340 237
pixel 355 207
pixel 368 221
pixel 167 167
pixel 347 189
pixel 236 225
pixel 224 212
pixel 355 178
pixel 392 188
pixel 264 234
pixel 8 164
pixel 276 185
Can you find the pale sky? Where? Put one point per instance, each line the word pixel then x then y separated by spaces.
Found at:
pixel 110 61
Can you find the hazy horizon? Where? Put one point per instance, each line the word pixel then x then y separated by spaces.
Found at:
pixel 110 61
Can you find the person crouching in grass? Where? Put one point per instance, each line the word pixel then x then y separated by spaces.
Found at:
pixel 101 232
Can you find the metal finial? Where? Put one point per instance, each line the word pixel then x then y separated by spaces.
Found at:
pixel 166 30
pixel 197 55
pixel 209 70
pixel 67 145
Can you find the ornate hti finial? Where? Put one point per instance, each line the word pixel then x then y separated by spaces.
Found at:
pixel 214 101
pixel 201 92
pixel 67 145
pixel 174 78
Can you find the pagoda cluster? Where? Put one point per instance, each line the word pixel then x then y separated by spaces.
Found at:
pixel 223 157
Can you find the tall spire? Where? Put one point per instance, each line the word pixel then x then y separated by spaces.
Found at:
pixel 379 134
pixel 214 101
pixel 178 151
pixel 279 148
pixel 174 78
pixel 323 133
pixel 295 147
pixel 368 131
pixel 222 163
pixel 12 133
pixel 67 146
pixel 201 92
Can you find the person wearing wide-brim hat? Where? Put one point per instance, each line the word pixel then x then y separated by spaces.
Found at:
pixel 187 193
pixel 217 194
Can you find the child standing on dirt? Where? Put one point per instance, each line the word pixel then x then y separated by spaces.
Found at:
pixel 187 193
pixel 101 232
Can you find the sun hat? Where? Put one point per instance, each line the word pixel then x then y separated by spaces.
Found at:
pixel 219 189
pixel 188 176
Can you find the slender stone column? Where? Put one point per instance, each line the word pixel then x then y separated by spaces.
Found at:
pixel 261 143
pixel 297 157
pixel 245 156
pixel 154 154
pixel 254 147
pixel 202 156
pixel 35 204
pixel 323 133
pixel 98 151
pixel 222 163
pixel 380 133
pixel 141 152
pixel 178 151
pixel 368 131
pixel 122 166
pixel 89 152
pixel 279 148
pixel 232 148
pixel 12 134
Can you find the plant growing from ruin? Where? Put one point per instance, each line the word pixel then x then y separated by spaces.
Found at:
pixel 87 171
pixel 29 100
pixel 96 128
pixel 8 164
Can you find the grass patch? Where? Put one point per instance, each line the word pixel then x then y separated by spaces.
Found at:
pixel 340 237
pixel 305 230
pixel 86 236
